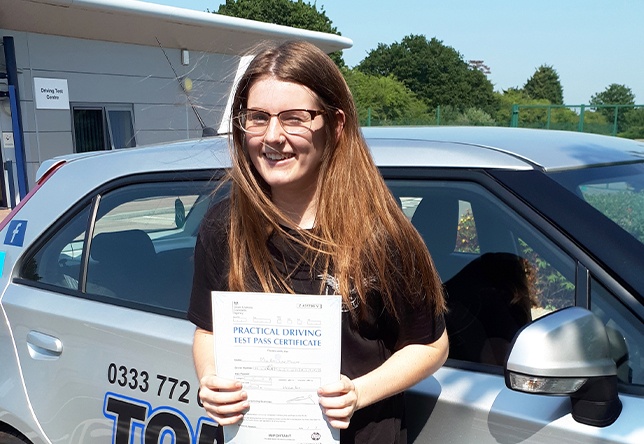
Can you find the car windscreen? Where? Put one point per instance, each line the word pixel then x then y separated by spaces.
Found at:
pixel 617 191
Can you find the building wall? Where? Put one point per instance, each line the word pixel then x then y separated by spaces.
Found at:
pixel 100 72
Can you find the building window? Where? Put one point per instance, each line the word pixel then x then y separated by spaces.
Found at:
pixel 103 127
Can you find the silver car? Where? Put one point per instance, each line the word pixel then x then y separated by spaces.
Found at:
pixel 538 237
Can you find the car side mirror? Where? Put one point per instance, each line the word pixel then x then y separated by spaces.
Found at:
pixel 567 353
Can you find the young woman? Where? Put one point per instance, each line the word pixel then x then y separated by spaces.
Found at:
pixel 309 213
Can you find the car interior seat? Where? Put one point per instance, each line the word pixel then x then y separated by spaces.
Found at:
pixel 436 219
pixel 489 301
pixel 125 263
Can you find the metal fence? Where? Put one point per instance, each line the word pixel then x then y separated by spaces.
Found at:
pixel 616 120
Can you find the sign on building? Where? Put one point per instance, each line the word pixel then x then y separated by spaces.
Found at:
pixel 51 93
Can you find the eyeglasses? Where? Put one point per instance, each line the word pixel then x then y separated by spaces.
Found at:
pixel 294 121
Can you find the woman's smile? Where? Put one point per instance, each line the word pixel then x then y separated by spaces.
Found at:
pixel 276 156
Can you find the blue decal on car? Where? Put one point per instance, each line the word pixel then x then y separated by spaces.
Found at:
pixel 3 255
pixel 16 233
pixel 136 421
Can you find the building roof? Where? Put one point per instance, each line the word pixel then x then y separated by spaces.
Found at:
pixel 141 23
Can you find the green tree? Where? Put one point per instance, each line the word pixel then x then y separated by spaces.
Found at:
pixel 482 95
pixel 385 99
pixel 614 94
pixel 537 115
pixel 528 117
pixel 545 84
pixel 634 124
pixel 297 14
pixel 435 72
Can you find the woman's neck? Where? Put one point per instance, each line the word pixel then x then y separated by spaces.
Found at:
pixel 300 208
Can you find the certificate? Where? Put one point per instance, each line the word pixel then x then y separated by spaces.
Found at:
pixel 282 347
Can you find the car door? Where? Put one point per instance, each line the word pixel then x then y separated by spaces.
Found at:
pixel 97 313
pixel 502 268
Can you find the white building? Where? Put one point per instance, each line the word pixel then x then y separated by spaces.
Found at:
pixel 106 74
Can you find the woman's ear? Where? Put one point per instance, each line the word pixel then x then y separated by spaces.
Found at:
pixel 340 120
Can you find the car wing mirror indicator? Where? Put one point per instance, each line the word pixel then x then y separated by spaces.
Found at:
pixel 567 353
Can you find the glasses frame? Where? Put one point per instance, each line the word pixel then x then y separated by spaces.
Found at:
pixel 240 119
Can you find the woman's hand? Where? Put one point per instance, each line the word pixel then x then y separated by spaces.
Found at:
pixel 223 399
pixel 403 369
pixel 339 400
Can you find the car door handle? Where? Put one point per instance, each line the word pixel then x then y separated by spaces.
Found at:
pixel 43 346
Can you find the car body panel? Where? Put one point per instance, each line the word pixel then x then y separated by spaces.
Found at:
pixel 20 416
pixel 489 413
pixel 95 346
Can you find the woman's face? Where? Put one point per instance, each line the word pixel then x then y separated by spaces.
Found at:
pixel 289 163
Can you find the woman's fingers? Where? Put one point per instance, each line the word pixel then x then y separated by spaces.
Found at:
pixel 338 401
pixel 226 414
pixel 223 399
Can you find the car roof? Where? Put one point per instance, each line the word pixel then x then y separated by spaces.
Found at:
pixel 549 150
pixel 450 147
pixel 205 153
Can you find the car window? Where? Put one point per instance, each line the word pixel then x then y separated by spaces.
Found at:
pixel 498 271
pixel 620 201
pixel 58 262
pixel 624 331
pixel 139 250
pixel 617 191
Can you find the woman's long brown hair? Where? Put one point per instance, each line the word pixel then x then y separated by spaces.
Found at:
pixel 360 232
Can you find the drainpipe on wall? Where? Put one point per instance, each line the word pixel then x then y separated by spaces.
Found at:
pixel 18 133
pixel 3 165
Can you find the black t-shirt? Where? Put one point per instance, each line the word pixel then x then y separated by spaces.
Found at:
pixel 366 344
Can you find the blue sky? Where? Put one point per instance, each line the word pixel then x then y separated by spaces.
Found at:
pixel 590 43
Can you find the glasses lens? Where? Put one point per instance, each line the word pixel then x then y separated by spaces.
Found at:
pixel 295 121
pixel 254 122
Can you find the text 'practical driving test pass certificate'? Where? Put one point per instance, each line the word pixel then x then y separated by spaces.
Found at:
pixel 282 348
